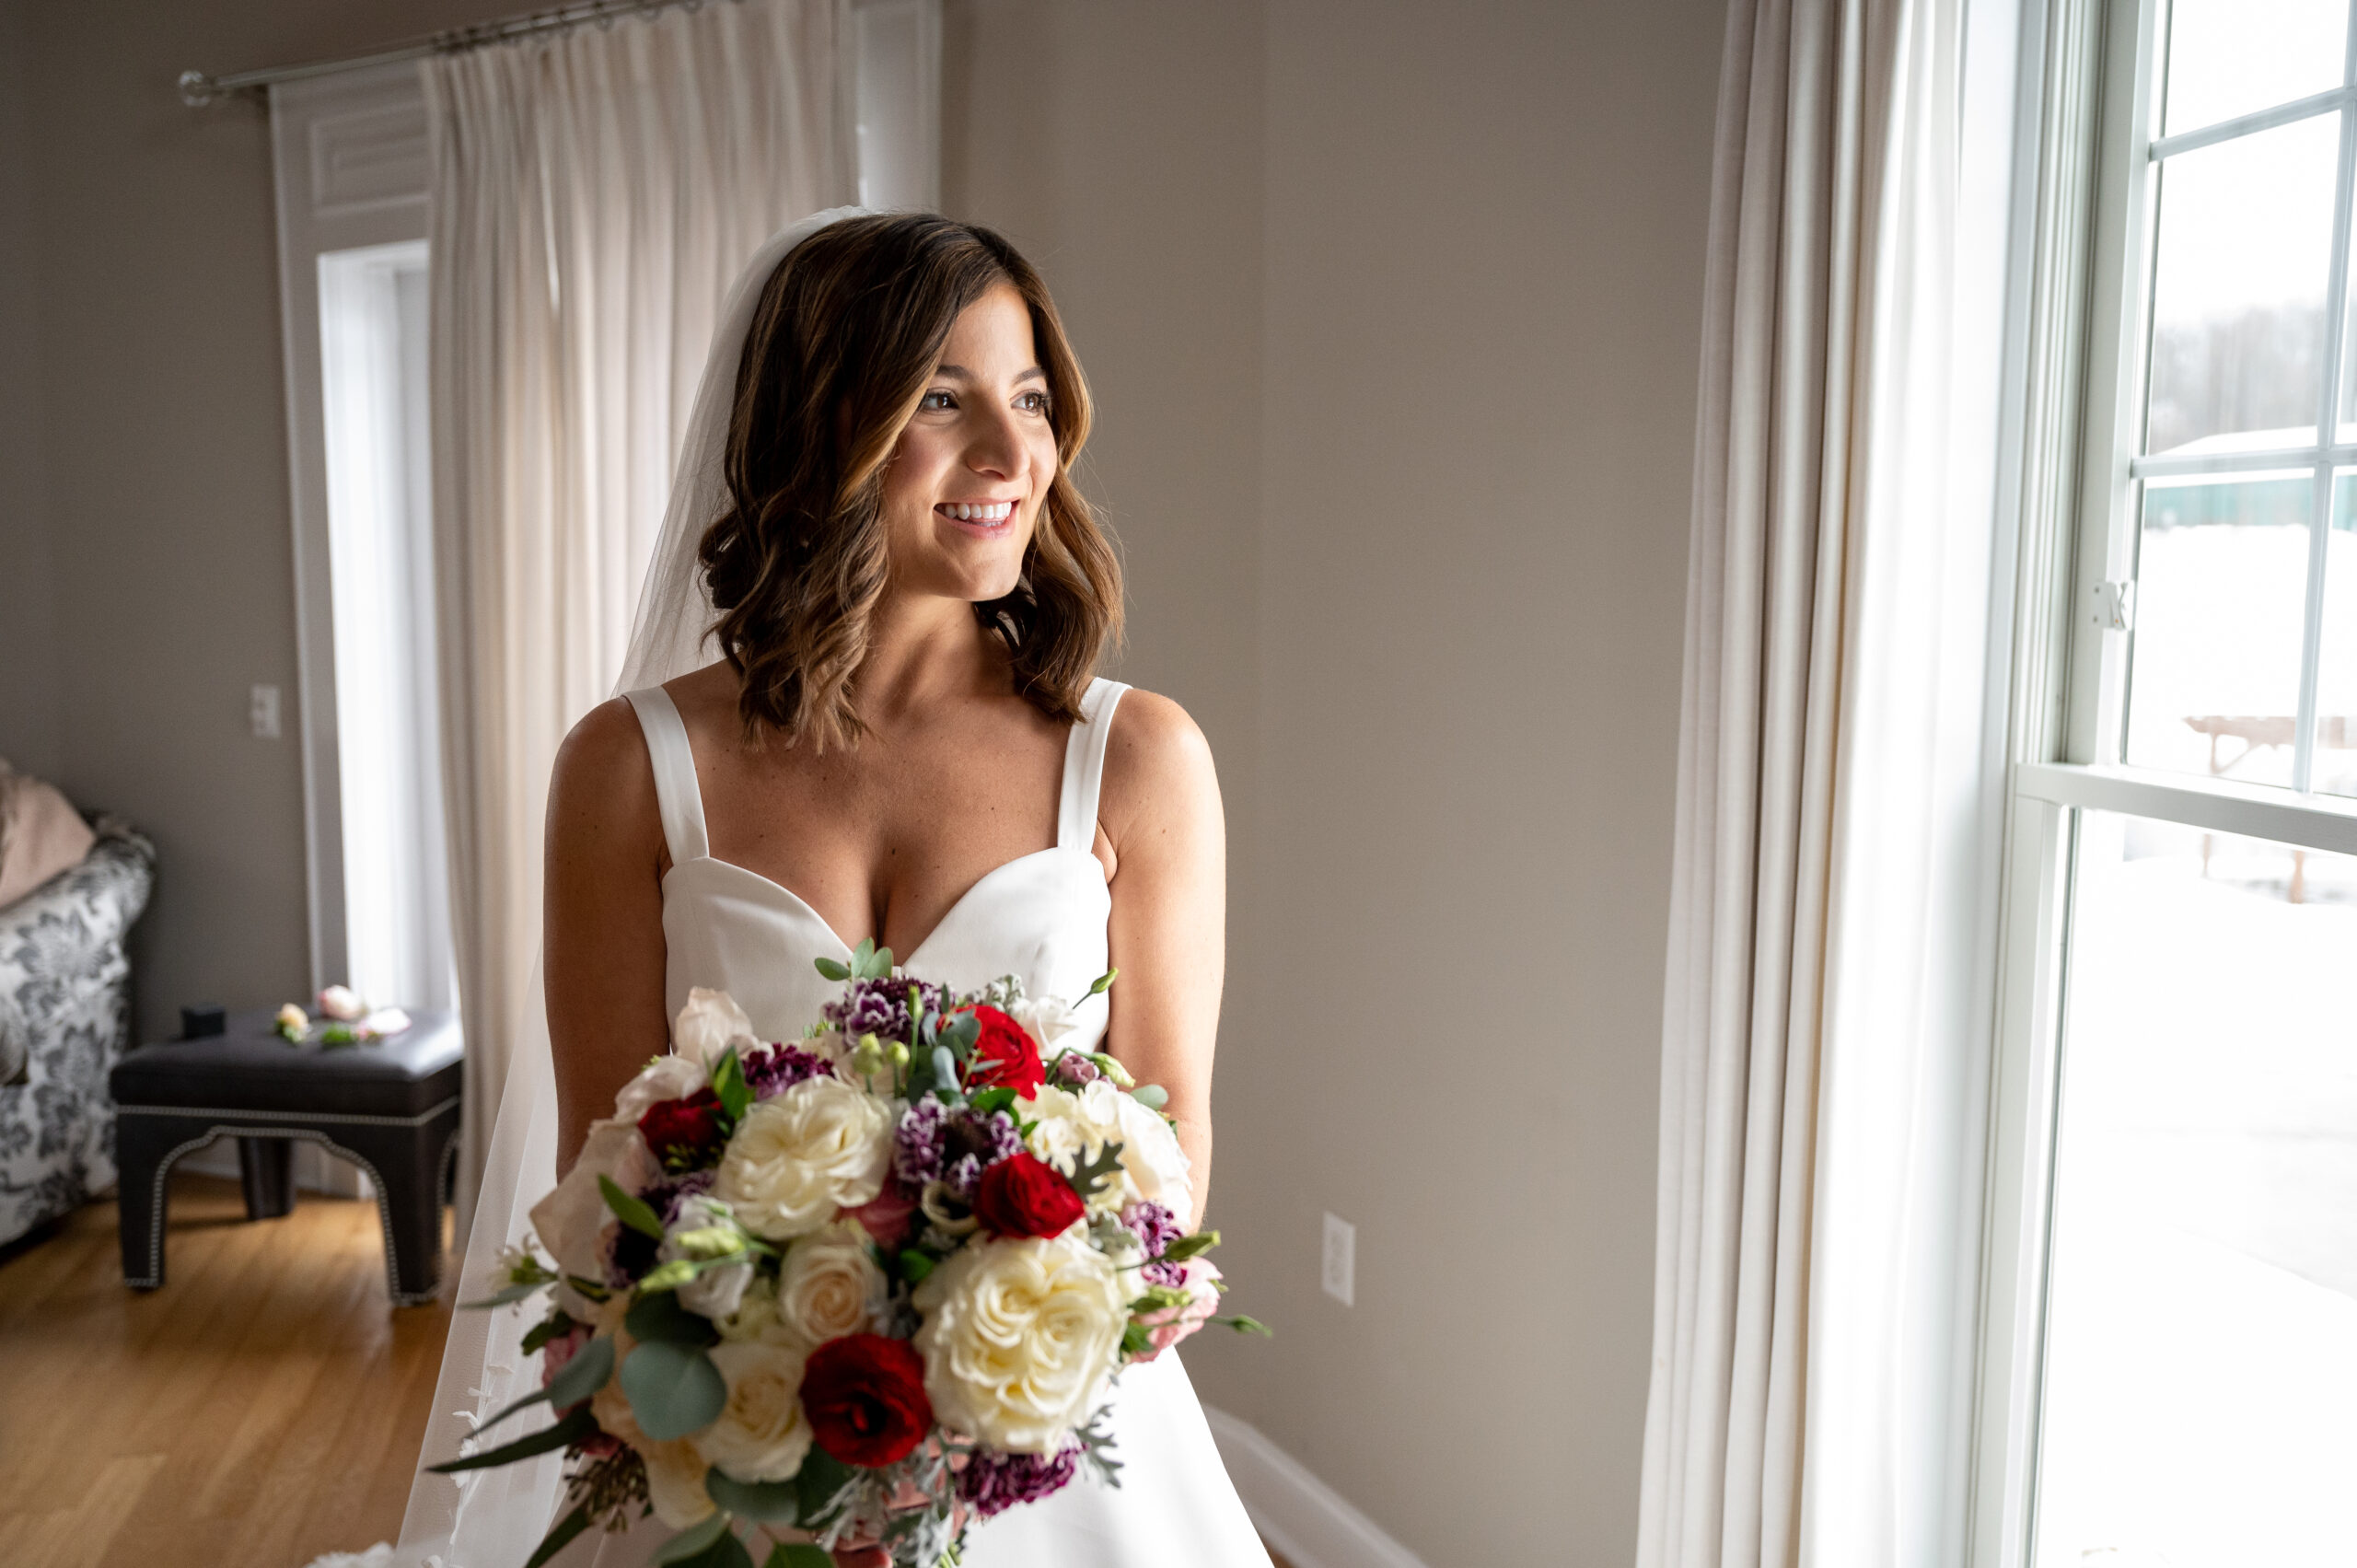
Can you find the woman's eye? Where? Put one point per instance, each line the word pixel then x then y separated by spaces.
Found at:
pixel 1032 402
pixel 936 400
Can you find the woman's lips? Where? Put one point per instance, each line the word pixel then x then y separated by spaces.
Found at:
pixel 977 517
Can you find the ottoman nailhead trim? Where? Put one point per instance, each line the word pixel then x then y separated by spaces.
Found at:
pixel 343 1117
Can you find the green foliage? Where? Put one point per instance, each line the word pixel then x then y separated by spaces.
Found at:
pixel 1153 1097
pixel 728 1083
pixel 631 1210
pixel 1090 1175
pixel 673 1389
pixel 502 1298
pixel 560 1533
pixel 799 1554
pixel 660 1319
pixel 991 1101
pixel 1103 982
pixel 1135 1339
pixel 820 1480
pixel 1244 1325
pixel 830 969
pixel 915 1266
pixel 960 1033
pixel 694 1541
pixel 1188 1246
pixel 667 1276
pixel 870 962
pixel 563 1435
pixel 763 1501
pixel 547 1328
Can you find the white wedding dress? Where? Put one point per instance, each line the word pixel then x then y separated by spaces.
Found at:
pixel 1042 918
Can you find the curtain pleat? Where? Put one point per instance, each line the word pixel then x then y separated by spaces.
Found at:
pixel 593 196
pixel 1814 1187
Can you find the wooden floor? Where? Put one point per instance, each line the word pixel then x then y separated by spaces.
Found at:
pixel 263 1406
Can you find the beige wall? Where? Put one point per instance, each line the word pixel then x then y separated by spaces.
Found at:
pixel 1392 312
pixel 28 717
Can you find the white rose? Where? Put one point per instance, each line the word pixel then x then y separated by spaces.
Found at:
pixel 666 1077
pixel 1048 1019
pixel 761 1434
pixel 756 1318
pixel 571 1221
pixel 710 1024
pixel 799 1157
pixel 1152 1160
pixel 1073 1128
pixel 675 1482
pixel 1019 1337
pixel 830 1285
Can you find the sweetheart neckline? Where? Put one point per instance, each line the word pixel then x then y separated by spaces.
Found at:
pixel 948 914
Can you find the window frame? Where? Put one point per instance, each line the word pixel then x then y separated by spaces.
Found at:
pixel 2086 205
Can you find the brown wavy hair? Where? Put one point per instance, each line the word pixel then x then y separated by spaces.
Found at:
pixel 848 329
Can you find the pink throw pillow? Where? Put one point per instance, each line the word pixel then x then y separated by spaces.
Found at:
pixel 40 834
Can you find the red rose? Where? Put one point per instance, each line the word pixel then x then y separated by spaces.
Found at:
pixel 684 1134
pixel 1024 1196
pixel 865 1397
pixel 1005 1057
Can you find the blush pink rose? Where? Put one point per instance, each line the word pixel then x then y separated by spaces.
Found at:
pixel 888 1218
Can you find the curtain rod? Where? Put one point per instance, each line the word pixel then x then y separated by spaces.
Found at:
pixel 197 89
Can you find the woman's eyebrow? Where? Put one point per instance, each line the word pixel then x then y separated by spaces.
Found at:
pixel 959 373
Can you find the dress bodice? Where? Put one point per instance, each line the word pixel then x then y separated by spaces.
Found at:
pixel 1039 917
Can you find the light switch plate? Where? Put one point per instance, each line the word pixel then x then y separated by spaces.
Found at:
pixel 262 711
pixel 1340 1273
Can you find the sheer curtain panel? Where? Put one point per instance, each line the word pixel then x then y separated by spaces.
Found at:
pixel 594 193
pixel 1826 1013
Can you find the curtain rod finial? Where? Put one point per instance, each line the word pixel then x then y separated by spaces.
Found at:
pixel 197 89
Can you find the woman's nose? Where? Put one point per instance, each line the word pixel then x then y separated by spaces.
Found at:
pixel 997 448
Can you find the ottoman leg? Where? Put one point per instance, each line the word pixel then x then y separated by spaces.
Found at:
pixel 266 1165
pixel 407 1165
pixel 141 1143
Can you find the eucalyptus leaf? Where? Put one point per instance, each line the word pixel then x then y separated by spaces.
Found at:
pixel 961 1033
pixel 559 1534
pixel 502 1298
pixel 763 1501
pixel 632 1211
pixel 673 1389
pixel 799 1554
pixel 584 1374
pixel 1153 1097
pixel 944 1071
pixel 695 1541
pixel 548 1328
pixel 861 953
pixel 563 1435
pixel 830 969
pixel 820 1480
pixel 660 1319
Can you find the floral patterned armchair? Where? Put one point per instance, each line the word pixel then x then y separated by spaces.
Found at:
pixel 65 1020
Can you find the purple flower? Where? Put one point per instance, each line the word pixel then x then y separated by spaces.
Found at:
pixel 1156 1228
pixel 994 1482
pixel 880 1007
pixel 936 1143
pixel 1074 1070
pixel 780 1067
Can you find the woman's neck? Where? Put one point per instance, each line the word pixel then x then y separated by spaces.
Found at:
pixel 923 649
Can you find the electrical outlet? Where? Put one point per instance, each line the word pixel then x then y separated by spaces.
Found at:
pixel 1341 1258
pixel 262 711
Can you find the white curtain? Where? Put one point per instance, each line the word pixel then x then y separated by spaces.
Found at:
pixel 593 193
pixel 1826 1009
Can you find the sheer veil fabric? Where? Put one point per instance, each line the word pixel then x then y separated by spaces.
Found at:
pixel 495 1518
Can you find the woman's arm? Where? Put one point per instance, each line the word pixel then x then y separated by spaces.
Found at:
pixel 601 936
pixel 1160 813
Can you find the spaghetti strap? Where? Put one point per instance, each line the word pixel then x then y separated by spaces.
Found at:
pixel 677 794
pixel 1085 766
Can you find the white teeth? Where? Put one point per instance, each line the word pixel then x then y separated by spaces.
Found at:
pixel 989 512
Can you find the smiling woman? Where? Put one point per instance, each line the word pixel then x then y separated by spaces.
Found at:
pixel 799 563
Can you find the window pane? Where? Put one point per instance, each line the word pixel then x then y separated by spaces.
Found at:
pixel 2230 57
pixel 2214 673
pixel 2244 243
pixel 2335 770
pixel 2200 1391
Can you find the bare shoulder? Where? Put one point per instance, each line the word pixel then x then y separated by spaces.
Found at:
pixel 1158 767
pixel 603 784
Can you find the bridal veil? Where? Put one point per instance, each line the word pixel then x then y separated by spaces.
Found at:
pixel 495 1518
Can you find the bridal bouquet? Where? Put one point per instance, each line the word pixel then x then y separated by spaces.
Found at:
pixel 866 1287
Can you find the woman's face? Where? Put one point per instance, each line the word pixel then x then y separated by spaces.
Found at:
pixel 966 483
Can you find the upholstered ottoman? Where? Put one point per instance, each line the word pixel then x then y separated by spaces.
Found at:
pixel 390 1106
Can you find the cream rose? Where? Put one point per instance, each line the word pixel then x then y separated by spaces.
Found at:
pixel 761 1434
pixel 1151 1158
pixel 675 1482
pixel 1073 1126
pixel 799 1157
pixel 830 1285
pixel 710 1024
pixel 1019 1337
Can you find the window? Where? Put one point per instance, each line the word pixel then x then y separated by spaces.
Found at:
pixel 2169 1367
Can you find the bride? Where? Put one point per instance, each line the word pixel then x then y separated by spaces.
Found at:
pixel 876 528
